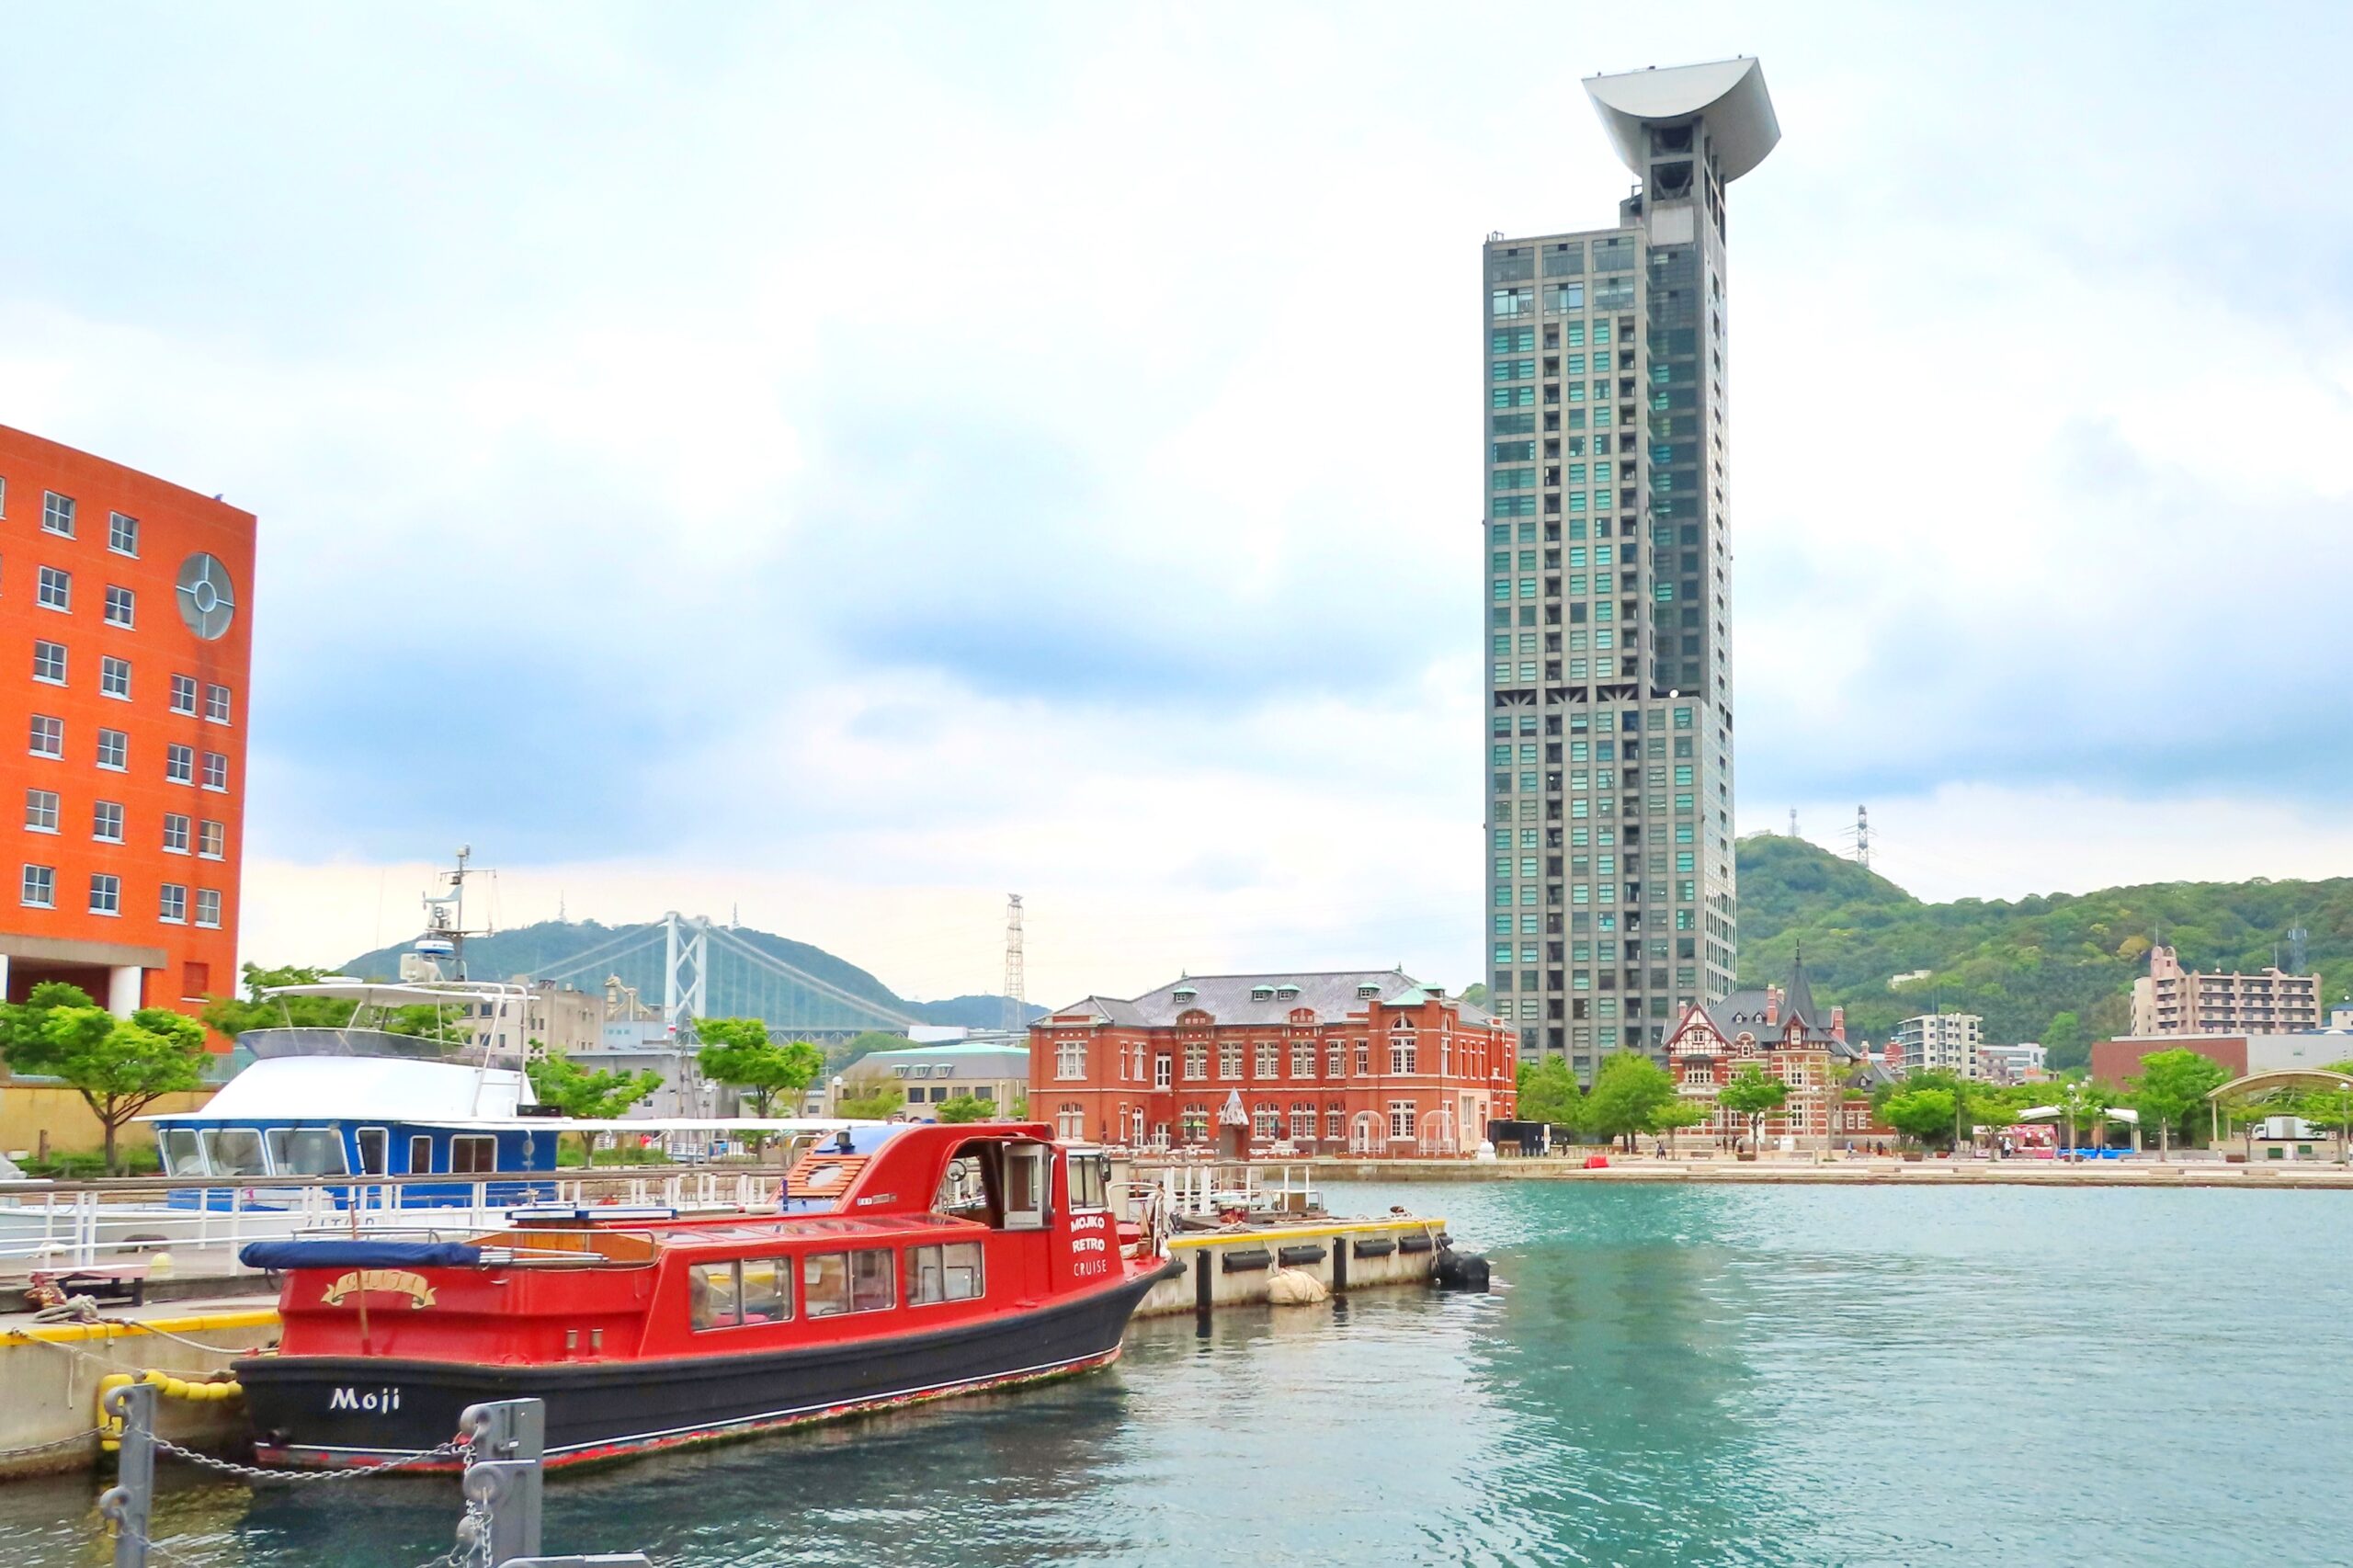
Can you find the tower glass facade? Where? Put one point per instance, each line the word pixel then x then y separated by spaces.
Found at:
pixel 1612 897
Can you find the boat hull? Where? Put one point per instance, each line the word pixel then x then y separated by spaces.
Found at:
pixel 336 1412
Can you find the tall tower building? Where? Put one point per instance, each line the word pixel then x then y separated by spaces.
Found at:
pixel 1604 436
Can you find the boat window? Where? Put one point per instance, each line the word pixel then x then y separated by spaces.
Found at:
pixel 183 1155
pixel 949 1273
pixel 833 1283
pixel 711 1299
pixel 372 1142
pixel 306 1151
pixel 472 1153
pixel 727 1295
pixel 1088 1181
pixel 1025 1187
pixel 766 1292
pixel 420 1154
pixel 234 1152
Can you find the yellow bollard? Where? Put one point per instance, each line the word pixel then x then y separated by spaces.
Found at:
pixel 111 1426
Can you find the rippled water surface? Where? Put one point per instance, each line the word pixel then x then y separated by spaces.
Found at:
pixel 1707 1374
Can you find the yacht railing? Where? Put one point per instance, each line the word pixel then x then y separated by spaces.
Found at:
pixel 201 1222
pixel 1208 1189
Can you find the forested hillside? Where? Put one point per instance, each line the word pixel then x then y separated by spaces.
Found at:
pixel 2057 969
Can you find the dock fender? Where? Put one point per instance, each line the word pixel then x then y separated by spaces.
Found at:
pixel 1458 1271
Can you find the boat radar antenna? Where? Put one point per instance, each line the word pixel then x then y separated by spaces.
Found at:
pixel 445 917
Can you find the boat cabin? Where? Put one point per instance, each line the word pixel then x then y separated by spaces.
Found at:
pixel 886 1229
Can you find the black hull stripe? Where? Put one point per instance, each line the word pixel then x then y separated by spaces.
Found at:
pixel 1104 1356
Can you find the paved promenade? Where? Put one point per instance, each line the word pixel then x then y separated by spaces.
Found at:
pixel 1857 1170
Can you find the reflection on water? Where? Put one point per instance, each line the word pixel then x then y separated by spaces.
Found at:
pixel 1665 1375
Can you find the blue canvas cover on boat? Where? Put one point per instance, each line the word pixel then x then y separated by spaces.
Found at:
pixel 359 1254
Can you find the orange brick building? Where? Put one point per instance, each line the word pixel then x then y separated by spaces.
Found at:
pixel 1359 1062
pixel 126 628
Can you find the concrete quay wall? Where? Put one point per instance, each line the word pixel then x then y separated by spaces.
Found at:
pixel 51 1373
pixel 1208 1279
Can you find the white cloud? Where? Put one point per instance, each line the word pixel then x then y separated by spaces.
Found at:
pixel 645 380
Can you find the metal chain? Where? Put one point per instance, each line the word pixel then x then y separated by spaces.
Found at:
pixel 450 1449
pixel 82 1435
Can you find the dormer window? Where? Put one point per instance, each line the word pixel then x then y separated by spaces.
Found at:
pixel 1185 993
pixel 1285 992
pixel 1262 993
pixel 1369 989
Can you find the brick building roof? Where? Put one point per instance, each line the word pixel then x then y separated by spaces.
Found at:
pixel 1270 998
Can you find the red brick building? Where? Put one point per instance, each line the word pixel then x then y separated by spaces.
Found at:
pixel 126 626
pixel 1367 1062
pixel 1790 1037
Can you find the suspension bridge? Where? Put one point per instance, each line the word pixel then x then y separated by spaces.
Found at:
pixel 701 969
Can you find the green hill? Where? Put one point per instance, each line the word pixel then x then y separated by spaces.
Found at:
pixel 2021 965
pixel 731 990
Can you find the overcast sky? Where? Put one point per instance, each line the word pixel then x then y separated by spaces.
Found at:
pixel 853 462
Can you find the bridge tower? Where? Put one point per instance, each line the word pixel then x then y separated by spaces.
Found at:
pixel 685 946
pixel 1013 1007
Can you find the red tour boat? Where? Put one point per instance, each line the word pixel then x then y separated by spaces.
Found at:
pixel 906 1263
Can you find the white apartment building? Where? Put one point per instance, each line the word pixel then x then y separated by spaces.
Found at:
pixel 1943 1042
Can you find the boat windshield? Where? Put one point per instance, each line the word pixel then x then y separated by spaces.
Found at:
pixel 307 1150
pixel 182 1156
pixel 235 1150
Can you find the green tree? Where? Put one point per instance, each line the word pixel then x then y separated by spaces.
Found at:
pixel 2084 1102
pixel 233 1016
pixel 738 1052
pixel 1925 1115
pixel 1752 1094
pixel 1627 1092
pixel 1992 1107
pixel 962 1108
pixel 2063 1042
pixel 583 1095
pixel 871 1096
pixel 1673 1115
pixel 119 1066
pixel 1475 994
pixel 2172 1083
pixel 1548 1092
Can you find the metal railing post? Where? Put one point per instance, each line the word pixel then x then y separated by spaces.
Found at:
pixel 132 1498
pixel 505 1476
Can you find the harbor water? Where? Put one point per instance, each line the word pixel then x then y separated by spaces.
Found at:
pixel 1666 1374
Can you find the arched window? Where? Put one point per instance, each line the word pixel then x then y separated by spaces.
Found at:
pixel 1266 1121
pixel 1401 1049
pixel 1302 1121
pixel 1070 1121
pixel 1194 1125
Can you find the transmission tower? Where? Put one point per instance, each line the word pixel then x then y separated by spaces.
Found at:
pixel 2297 938
pixel 1863 837
pixel 1013 1007
pixel 1793 821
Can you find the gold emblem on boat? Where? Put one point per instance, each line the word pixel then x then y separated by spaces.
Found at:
pixel 393 1281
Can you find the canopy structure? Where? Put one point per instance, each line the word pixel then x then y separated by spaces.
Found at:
pixel 402 992
pixel 1729 93
pixel 2051 1113
pixel 2280 1078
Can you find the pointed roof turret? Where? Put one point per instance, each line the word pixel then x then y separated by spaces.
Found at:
pixel 1801 1000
